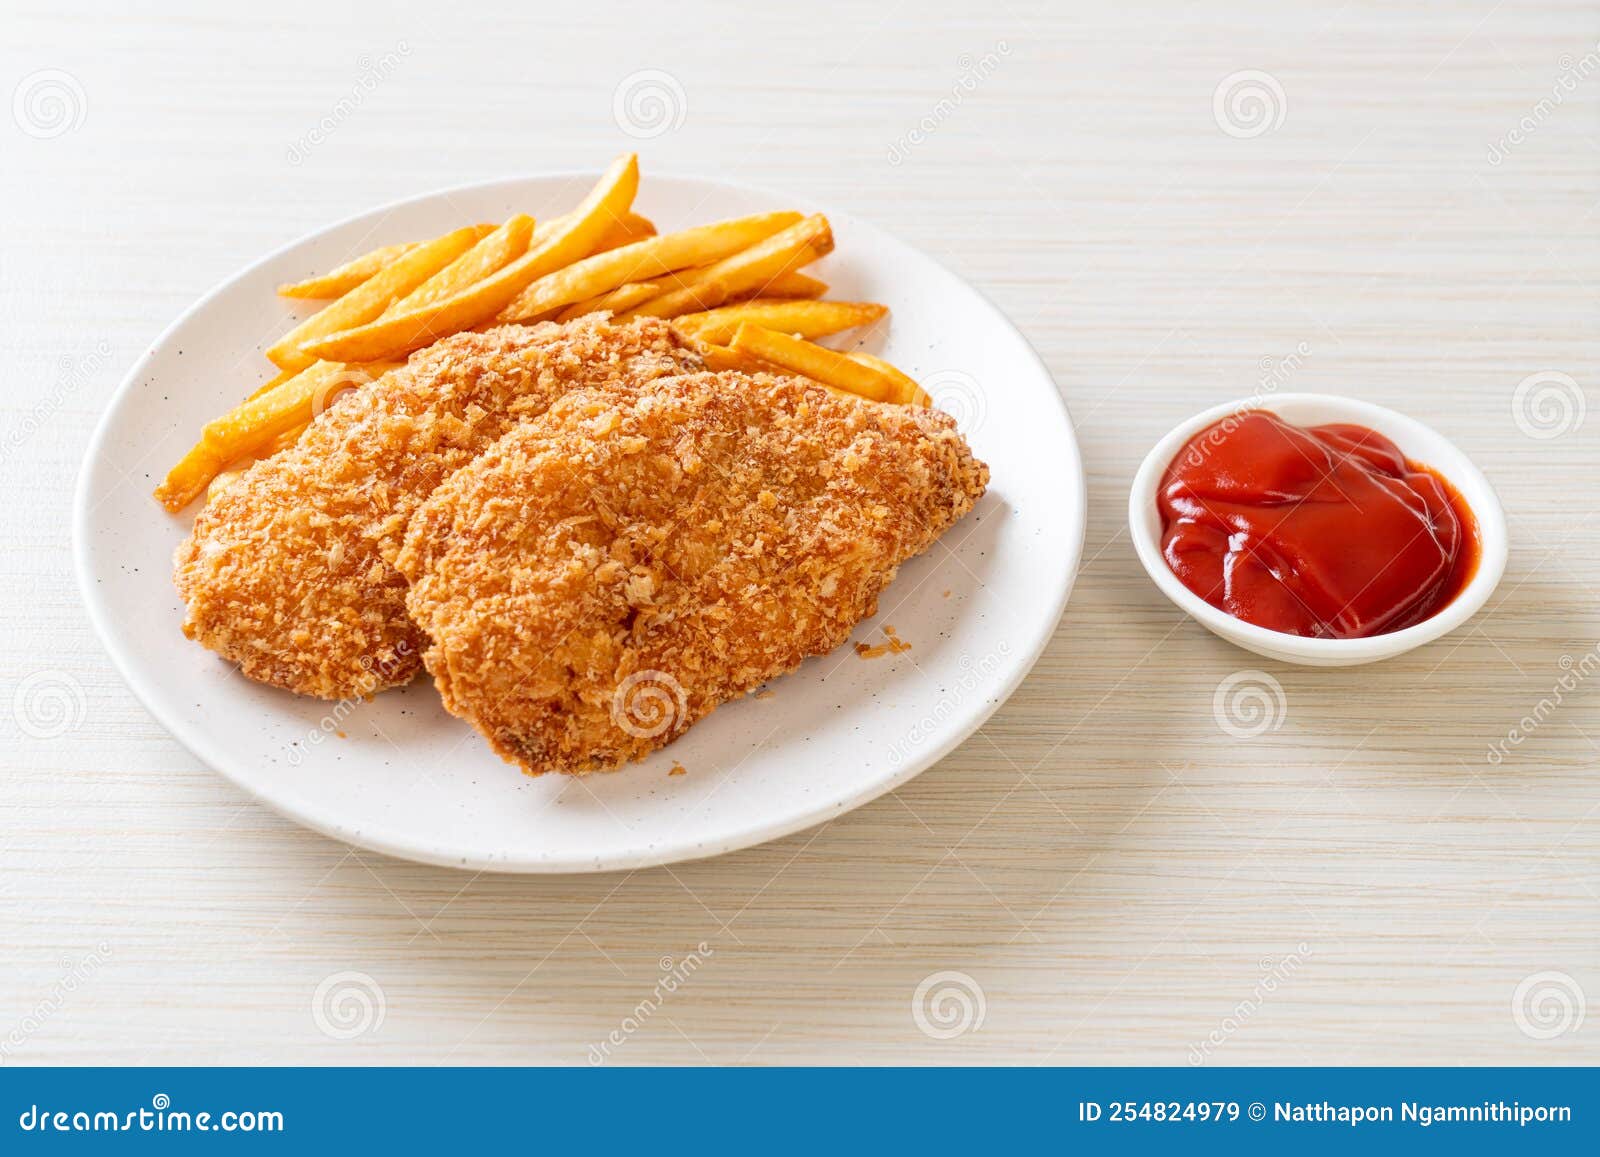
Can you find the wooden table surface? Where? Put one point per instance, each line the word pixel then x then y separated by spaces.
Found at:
pixel 1399 206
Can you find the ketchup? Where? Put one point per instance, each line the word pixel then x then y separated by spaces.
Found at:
pixel 1325 531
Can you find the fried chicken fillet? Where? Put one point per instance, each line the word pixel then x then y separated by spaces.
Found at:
pixel 608 573
pixel 288 573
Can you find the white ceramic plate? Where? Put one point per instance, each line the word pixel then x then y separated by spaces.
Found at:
pixel 401 776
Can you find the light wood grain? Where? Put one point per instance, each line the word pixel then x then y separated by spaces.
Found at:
pixel 1108 866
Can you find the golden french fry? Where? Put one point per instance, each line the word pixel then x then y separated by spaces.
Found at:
pixel 193 473
pixel 236 470
pixel 711 286
pixel 813 361
pixel 575 238
pixel 254 427
pixel 343 278
pixel 493 252
pixel 721 357
pixel 631 228
pixel 373 296
pixel 808 319
pixel 277 380
pixel 623 297
pixel 643 261
pixel 907 392
pixel 788 286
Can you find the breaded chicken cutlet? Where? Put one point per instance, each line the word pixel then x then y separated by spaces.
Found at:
pixel 288 573
pixel 608 573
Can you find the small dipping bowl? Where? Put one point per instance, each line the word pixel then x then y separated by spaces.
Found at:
pixel 1417 442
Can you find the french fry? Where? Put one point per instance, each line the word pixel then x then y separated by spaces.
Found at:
pixel 623 297
pixel 278 380
pixel 789 286
pixel 373 296
pixel 643 261
pixel 495 251
pixel 343 278
pixel 236 470
pixel 193 473
pixel 631 228
pixel 908 392
pixel 807 319
pixel 252 428
pixel 711 286
pixel 813 361
pixel 733 290
pixel 576 238
pixel 721 357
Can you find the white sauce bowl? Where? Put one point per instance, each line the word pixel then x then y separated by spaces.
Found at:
pixel 1416 441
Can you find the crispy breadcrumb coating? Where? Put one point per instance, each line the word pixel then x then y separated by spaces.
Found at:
pixel 288 573
pixel 608 573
